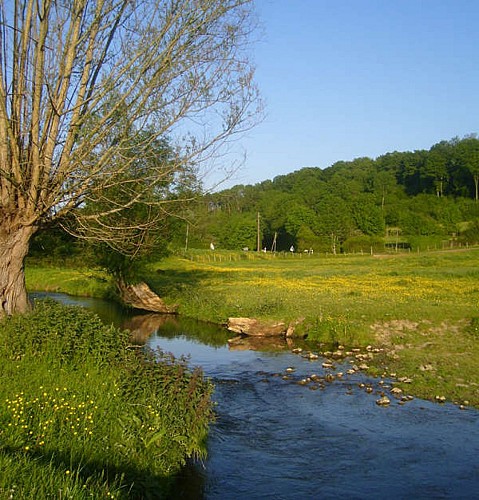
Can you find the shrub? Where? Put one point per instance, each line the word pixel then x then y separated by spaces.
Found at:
pixel 363 244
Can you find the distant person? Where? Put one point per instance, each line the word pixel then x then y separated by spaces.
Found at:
pixel 212 247
pixel 291 249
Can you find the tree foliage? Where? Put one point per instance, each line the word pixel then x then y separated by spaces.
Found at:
pixel 351 204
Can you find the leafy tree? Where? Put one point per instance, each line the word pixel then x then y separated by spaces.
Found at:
pixel 468 152
pixel 354 200
pixel 273 207
pixel 385 188
pixel 411 172
pixel 368 216
pixel 80 82
pixel 306 239
pixel 347 178
pixel 437 165
pixel 420 216
pixel 56 244
pixel 308 185
pixel 236 231
pixel 334 220
pixel 298 215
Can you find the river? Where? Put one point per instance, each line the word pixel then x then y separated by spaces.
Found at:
pixel 277 439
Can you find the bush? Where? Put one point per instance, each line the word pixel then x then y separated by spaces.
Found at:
pixel 363 244
pixel 63 334
pixel 470 235
pixel 84 413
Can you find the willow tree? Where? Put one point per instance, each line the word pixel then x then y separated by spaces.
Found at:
pixel 80 82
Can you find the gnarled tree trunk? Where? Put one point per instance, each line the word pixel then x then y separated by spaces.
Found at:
pixel 13 250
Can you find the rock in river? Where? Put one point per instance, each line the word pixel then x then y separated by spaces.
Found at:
pixel 383 401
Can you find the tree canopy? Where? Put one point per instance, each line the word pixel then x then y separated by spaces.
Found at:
pixel 357 204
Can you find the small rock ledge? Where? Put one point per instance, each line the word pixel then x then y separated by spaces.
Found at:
pixel 140 296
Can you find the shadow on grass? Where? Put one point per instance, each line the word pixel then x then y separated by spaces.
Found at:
pixel 171 281
pixel 133 482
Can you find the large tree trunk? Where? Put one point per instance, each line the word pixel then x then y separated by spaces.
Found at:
pixel 13 250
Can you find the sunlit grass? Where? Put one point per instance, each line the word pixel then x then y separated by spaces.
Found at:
pixel 82 282
pixel 350 299
pixel 365 288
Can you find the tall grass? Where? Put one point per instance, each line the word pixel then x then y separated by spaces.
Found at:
pixel 83 415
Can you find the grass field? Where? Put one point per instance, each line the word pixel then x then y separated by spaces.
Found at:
pixel 423 309
pixel 360 290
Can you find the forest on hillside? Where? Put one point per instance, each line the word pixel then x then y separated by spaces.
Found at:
pixel 424 198
pixel 417 200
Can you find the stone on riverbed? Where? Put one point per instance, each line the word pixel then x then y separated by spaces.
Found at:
pixel 383 401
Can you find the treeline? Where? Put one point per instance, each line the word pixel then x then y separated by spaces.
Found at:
pixel 400 199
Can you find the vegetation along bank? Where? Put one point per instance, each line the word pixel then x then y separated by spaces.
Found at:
pixel 83 414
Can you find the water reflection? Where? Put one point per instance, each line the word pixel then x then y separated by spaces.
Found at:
pixel 143 326
pixel 261 344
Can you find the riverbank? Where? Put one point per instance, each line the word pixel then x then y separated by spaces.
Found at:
pixel 84 414
pixel 420 309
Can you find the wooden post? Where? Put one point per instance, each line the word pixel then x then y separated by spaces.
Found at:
pixel 258 239
pixel 273 246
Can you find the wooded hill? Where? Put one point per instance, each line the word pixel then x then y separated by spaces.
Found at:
pixel 410 200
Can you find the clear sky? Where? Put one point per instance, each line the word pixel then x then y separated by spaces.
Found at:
pixel 343 79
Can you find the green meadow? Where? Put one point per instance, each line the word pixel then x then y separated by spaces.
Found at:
pixel 421 308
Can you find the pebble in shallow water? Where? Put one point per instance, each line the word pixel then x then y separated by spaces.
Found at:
pixel 383 401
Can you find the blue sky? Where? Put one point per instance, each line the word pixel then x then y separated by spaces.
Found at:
pixel 343 79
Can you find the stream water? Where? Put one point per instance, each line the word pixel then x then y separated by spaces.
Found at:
pixel 277 439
